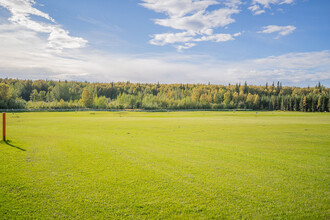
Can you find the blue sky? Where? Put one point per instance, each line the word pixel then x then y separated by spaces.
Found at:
pixel 167 41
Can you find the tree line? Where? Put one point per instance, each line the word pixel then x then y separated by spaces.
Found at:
pixel 49 94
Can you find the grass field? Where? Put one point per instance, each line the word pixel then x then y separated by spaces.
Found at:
pixel 177 165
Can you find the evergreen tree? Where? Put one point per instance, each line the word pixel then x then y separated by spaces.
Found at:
pixel 304 104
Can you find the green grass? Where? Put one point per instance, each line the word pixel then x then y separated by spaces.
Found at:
pixel 178 165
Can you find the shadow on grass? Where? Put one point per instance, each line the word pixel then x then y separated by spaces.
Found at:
pixel 9 143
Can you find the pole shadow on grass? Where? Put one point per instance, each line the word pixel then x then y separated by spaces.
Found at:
pixel 9 143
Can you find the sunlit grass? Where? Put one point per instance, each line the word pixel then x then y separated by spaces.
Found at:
pixel 166 165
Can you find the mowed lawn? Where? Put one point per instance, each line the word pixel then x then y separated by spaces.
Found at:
pixel 176 165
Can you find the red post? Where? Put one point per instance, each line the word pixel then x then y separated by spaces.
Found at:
pixel 4 126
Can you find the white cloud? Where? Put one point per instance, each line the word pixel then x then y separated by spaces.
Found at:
pixel 258 6
pixel 200 21
pixel 267 3
pixel 185 37
pixel 178 8
pixel 25 57
pixel 196 22
pixel 58 39
pixel 185 46
pixel 171 38
pixel 237 34
pixel 22 8
pixel 25 53
pixel 216 38
pixel 193 19
pixel 281 30
pixel 256 10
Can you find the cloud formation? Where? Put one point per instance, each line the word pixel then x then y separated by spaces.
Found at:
pixel 192 18
pixel 259 6
pixel 281 30
pixel 26 52
pixel 24 57
pixel 195 22
pixel 58 39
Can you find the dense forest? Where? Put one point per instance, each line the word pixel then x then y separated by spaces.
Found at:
pixel 45 94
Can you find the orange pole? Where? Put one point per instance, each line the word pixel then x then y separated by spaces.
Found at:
pixel 4 126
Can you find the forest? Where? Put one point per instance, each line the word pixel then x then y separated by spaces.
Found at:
pixel 49 94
